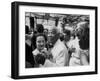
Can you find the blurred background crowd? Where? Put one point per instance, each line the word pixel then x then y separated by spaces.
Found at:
pixel 53 39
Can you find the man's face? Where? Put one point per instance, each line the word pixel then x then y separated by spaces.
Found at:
pixel 66 34
pixel 52 35
pixel 66 37
pixel 46 32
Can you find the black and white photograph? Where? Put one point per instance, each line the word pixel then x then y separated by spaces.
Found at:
pixel 56 40
pixel 50 40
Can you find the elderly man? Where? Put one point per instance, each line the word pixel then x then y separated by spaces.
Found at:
pixel 59 50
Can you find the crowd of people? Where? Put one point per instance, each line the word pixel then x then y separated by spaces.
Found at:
pixel 54 48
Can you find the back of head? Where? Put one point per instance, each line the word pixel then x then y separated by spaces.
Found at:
pixel 39 28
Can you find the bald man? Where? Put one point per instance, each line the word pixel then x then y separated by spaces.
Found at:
pixel 59 50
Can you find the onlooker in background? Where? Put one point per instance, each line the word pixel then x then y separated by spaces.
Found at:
pixel 61 24
pixel 67 34
pixel 28 49
pixel 45 31
pixel 61 36
pixel 39 28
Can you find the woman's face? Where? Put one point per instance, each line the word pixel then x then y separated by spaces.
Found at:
pixel 40 42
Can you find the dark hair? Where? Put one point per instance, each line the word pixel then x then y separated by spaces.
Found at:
pixel 84 41
pixel 61 37
pixel 32 22
pixel 68 32
pixel 39 28
pixel 84 44
pixel 35 37
pixel 40 59
pixel 26 29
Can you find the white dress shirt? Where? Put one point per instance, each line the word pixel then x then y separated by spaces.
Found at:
pixel 60 53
